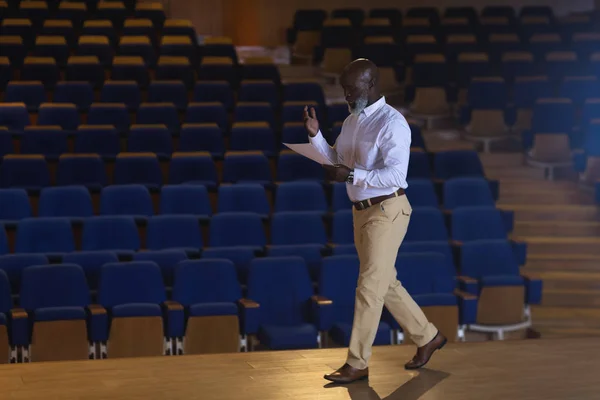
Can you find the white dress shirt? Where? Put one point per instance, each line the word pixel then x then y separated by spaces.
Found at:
pixel 376 144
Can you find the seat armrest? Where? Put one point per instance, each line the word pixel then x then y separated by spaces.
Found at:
pixel 247 303
pixel 468 285
pixel 174 322
pixel 533 289
pixel 321 300
pixel 249 316
pixel 97 323
pixel 467 307
pixel 322 312
pixel 19 326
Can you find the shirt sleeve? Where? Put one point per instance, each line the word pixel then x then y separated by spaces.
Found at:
pixel 323 147
pixel 394 144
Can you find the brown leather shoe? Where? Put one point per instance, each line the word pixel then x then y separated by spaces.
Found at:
pixel 347 374
pixel 424 353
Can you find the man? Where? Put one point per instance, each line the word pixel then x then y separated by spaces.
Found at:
pixel 371 156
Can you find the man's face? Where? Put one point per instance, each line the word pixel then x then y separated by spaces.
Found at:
pixel 356 92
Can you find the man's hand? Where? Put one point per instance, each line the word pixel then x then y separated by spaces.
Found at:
pixel 337 173
pixel 311 123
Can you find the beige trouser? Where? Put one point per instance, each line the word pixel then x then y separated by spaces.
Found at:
pixel 378 233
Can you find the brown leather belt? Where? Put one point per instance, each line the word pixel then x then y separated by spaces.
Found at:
pixel 364 204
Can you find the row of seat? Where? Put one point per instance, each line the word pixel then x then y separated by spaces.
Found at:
pixel 240 235
pixel 116 11
pixel 76 201
pixel 280 307
pixel 33 172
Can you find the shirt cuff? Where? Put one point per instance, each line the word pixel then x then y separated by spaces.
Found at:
pixel 317 139
pixel 360 175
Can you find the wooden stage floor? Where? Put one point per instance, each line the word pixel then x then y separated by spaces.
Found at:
pixel 533 369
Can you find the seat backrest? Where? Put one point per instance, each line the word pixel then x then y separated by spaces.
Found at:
pixel 237 229
pixel 185 199
pixel 172 231
pixel 457 163
pixel 65 201
pixel 131 282
pixel 343 227
pixel 282 287
pixel 167 260
pixel 421 193
pixel 243 197
pixel 91 262
pixel 44 235
pixel 337 282
pixel 14 204
pixel 426 224
pixel 297 227
pixel 483 258
pixel 425 273
pixel 56 285
pixel 206 281
pixel 461 192
pixel 110 233
pixel 300 196
pixel 476 223
pixel 13 265
pixel 130 199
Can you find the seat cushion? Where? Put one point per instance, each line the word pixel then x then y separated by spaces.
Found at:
pixel 59 314
pixel 436 299
pixel 341 332
pixel 502 280
pixel 137 310
pixel 276 337
pixel 212 309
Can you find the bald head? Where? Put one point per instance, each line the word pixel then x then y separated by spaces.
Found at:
pixel 360 80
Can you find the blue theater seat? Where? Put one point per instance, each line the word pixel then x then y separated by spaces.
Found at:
pixel 79 93
pixel 83 169
pixel 159 113
pixel 281 288
pixel 49 141
pixel 237 229
pixel 298 228
pixel 125 92
pixel 337 284
pixel 112 114
pixel 118 233
pixel 457 163
pixel 214 91
pixel 240 256
pixel 29 172
pixel 174 232
pixel 465 192
pixel 14 264
pixel 197 168
pixel 246 167
pixel 14 206
pixel 202 137
pixel 300 196
pixel 167 260
pixel 52 310
pixel 132 200
pixel 489 270
pixel 168 91
pixel 138 168
pixel 185 199
pixel 91 262
pixel 14 116
pixel 421 193
pixel 339 197
pixel 432 284
pixel 209 292
pixel 479 223
pixel 50 235
pixel 294 167
pixel 102 140
pixel 419 166
pixel 73 202
pixel 133 293
pixel 31 93
pixel 243 197
pixel 62 114
pixel 426 225
pixel 343 228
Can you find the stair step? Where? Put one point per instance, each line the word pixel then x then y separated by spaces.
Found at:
pixel 571 298
pixel 517 173
pixel 568 280
pixel 490 160
pixel 537 212
pixel 557 228
pixel 547 198
pixel 561 245
pixel 524 185
pixel 537 263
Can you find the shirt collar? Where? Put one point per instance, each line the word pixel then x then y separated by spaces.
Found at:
pixel 375 106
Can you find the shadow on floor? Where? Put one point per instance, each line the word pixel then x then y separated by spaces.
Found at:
pixel 411 390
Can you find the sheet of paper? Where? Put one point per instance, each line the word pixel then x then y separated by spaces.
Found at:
pixel 308 151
